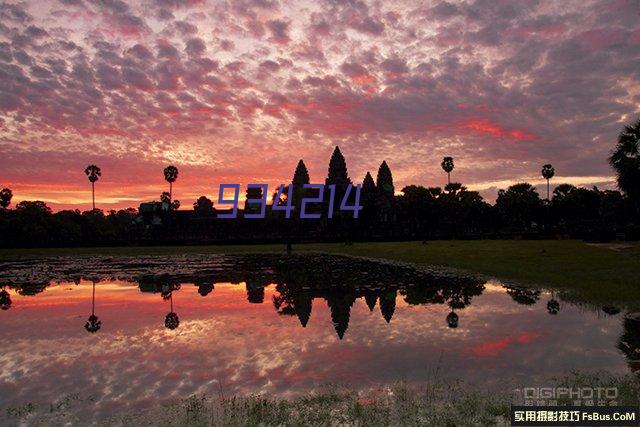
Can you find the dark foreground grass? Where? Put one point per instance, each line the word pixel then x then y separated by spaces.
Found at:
pixel 593 274
pixel 439 403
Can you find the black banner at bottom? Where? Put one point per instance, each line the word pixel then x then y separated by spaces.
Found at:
pixel 575 416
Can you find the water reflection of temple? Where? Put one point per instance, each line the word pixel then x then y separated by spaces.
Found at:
pixel 299 280
pixel 297 285
pixel 294 300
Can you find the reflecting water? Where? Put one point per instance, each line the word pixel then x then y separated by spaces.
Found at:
pixel 132 333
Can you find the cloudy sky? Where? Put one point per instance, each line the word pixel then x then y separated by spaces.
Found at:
pixel 238 91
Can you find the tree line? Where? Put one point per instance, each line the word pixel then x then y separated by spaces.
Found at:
pixel 417 213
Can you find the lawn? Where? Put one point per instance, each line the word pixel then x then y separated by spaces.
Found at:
pixel 595 274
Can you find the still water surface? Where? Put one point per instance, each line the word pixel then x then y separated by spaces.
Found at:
pixel 169 327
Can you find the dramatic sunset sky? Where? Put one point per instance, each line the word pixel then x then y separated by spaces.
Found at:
pixel 237 91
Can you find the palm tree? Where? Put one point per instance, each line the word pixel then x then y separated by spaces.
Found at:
pixel 93 324
pixel 625 160
pixel 447 166
pixel 553 306
pixel 547 173
pixel 5 198
pixel 171 320
pixel 170 175
pixel 452 320
pixel 93 172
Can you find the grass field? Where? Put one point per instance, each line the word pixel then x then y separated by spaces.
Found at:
pixel 439 403
pixel 595 274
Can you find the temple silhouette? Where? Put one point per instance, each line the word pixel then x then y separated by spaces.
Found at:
pixel 413 213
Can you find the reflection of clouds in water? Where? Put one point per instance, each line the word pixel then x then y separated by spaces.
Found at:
pixel 225 344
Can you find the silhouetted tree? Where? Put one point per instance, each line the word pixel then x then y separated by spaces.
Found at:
pixel 31 289
pixel 452 320
pixel 582 212
pixel 547 173
pixel 255 292
pixel 5 198
pixel 171 320
pixel 203 205
pixel 93 173
pixel 519 205
pixel 454 188
pixel 93 324
pixel 205 287
pixel 474 213
pixel 33 224
pixel 553 306
pixel 614 208
pixel 36 227
pixel 415 295
pixel 170 175
pixel 450 209
pixel 525 296
pixel 165 199
pixel 447 166
pixel 167 287
pixel 416 206
pixel 5 300
pixel 625 160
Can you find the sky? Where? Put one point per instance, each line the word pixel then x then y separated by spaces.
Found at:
pixel 238 91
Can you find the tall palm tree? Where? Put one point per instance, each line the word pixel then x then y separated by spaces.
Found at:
pixel 171 320
pixel 170 175
pixel 93 324
pixel 625 160
pixel 93 172
pixel 452 320
pixel 447 166
pixel 547 173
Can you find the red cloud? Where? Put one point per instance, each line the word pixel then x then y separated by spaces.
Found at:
pixel 493 348
pixel 488 127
